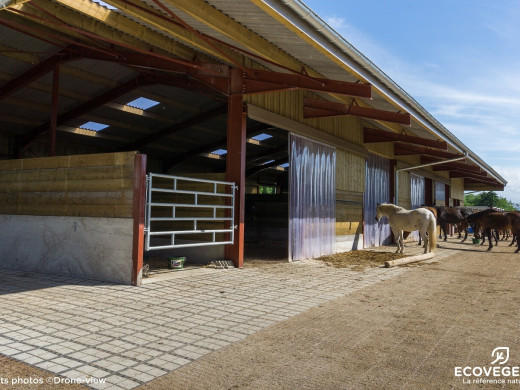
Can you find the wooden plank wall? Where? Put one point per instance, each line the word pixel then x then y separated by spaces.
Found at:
pixel 350 185
pixel 405 190
pixel 349 212
pixel 93 185
pixel 457 189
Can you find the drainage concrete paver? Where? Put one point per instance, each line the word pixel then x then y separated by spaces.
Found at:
pixel 127 336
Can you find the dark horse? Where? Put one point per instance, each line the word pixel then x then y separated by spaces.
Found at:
pixel 490 219
pixel 450 215
pixel 474 220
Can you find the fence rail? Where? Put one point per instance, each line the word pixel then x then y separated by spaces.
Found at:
pixel 173 201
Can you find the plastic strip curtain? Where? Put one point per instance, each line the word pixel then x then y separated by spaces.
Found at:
pixel 440 193
pixel 377 189
pixel 312 198
pixel 418 196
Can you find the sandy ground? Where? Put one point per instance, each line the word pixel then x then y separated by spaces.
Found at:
pixel 409 332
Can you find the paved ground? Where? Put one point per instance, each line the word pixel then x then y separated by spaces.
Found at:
pixel 382 328
pixel 406 332
pixel 79 328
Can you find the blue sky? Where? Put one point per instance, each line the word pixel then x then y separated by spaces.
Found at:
pixel 460 59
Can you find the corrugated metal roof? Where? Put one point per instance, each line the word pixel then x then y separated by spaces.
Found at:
pixel 83 80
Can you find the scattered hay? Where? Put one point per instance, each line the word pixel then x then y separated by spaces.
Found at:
pixel 360 259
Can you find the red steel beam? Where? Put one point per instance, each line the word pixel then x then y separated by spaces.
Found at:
pixel 193 152
pixel 217 76
pixel 35 72
pixel 458 165
pixel 459 174
pixel 206 148
pixel 259 81
pixel 479 181
pixel 313 108
pixel 267 153
pixel 85 108
pixel 374 135
pixel 275 163
pixel 138 207
pixel 236 163
pixel 193 121
pixel 401 149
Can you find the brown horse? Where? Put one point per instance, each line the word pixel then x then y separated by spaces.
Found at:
pixel 499 221
pixel 449 215
pixel 474 221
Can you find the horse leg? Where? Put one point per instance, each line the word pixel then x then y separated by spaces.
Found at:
pixel 465 235
pixel 444 230
pixel 397 237
pixel 402 240
pixel 497 237
pixel 513 240
pixel 425 238
pixel 488 233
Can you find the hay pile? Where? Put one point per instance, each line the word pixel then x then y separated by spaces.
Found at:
pixel 360 259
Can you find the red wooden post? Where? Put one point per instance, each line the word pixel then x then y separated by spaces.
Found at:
pixel 236 162
pixel 139 201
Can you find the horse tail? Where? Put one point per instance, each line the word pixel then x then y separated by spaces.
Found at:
pixel 432 235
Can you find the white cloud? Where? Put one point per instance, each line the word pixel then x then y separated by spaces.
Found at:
pixel 512 175
pixel 477 98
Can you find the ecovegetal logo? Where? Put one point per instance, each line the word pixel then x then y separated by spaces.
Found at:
pixel 498 353
pixel 496 373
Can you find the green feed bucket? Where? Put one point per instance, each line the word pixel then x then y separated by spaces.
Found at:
pixel 476 241
pixel 176 262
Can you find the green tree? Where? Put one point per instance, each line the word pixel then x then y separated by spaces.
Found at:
pixel 490 199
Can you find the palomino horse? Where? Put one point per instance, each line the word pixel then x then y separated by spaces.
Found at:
pixel 447 215
pixel 401 219
pixel 434 211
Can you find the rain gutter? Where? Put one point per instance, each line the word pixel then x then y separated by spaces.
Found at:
pixel 320 32
pixel 420 166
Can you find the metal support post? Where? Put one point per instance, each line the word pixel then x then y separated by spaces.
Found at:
pixel 236 162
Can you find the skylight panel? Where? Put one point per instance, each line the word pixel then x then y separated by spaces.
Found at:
pixel 142 103
pixel 94 126
pixel 110 7
pixel 268 162
pixel 284 165
pixel 262 137
pixel 219 152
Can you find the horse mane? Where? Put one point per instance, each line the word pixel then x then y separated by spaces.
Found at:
pixel 390 206
pixel 473 217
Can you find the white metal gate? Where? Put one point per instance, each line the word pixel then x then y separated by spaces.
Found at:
pixel 187 212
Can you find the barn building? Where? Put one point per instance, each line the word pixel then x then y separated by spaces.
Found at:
pixel 208 128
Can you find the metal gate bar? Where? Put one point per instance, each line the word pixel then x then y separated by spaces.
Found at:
pixel 227 196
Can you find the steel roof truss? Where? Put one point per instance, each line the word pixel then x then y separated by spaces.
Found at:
pixel 314 108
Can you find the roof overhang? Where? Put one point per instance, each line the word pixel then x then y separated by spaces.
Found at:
pixel 295 47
